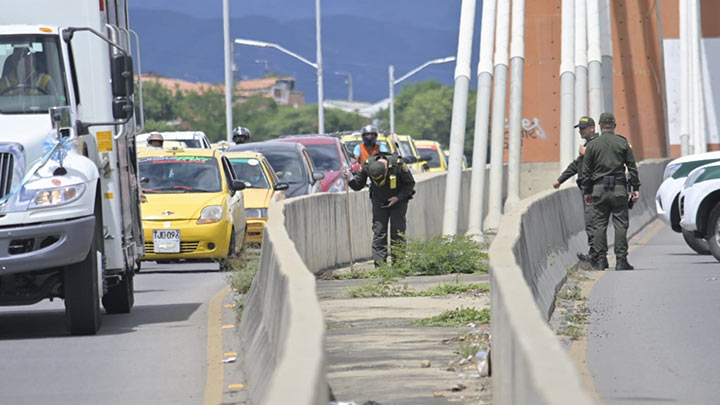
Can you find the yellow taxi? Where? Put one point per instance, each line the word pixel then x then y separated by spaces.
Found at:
pixel 437 163
pixel 408 148
pixel 261 188
pixel 194 207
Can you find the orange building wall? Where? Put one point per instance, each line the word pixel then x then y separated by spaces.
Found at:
pixel 638 80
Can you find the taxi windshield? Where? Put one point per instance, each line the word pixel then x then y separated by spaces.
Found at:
pixel 435 162
pixel 180 174
pixel 250 171
pixel 32 76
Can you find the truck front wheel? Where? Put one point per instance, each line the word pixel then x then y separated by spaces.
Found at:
pixel 82 298
pixel 713 227
pixel 120 298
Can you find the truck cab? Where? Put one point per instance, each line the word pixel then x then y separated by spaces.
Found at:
pixel 69 194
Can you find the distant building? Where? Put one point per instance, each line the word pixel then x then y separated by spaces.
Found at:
pixel 367 110
pixel 280 89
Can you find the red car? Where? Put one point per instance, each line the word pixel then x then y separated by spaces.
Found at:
pixel 328 156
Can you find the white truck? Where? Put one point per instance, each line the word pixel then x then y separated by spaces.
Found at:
pixel 70 223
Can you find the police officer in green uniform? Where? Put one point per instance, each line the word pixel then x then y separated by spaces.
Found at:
pixel 391 187
pixel 586 126
pixel 604 182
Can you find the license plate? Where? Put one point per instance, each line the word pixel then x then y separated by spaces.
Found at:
pixel 166 240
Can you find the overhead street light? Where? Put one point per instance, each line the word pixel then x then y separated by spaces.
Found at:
pixel 348 81
pixel 261 44
pixel 393 82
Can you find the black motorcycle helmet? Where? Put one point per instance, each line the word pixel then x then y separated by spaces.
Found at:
pixel 240 135
pixel 369 135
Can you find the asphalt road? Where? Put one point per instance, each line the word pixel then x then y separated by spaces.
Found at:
pixel 654 332
pixel 154 355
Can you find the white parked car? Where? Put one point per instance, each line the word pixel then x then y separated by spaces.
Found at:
pixel 667 201
pixel 191 139
pixel 699 205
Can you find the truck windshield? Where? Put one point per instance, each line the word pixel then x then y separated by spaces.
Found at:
pixel 32 76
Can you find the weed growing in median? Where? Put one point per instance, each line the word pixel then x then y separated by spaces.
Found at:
pixel 574 332
pixel 454 288
pixel 571 293
pixel 456 317
pixel 441 254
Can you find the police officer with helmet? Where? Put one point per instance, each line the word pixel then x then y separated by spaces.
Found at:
pixel 369 145
pixel 391 187
pixel 240 135
pixel 605 188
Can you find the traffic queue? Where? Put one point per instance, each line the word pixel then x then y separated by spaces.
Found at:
pixel 204 201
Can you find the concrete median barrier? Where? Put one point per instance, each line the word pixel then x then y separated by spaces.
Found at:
pixel 283 330
pixel 529 258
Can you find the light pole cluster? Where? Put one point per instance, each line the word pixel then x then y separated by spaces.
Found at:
pixel 261 44
pixel 393 82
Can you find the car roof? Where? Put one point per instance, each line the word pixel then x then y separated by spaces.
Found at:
pixel 244 154
pixel 308 139
pixel 152 152
pixel 427 144
pixel 696 157
pixel 267 146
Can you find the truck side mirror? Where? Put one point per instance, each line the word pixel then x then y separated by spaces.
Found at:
pixel 61 118
pixel 123 76
pixel 122 108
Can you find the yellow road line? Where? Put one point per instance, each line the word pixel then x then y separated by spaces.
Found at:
pixel 214 381
pixel 578 348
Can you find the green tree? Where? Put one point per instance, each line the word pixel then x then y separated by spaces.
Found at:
pixel 160 106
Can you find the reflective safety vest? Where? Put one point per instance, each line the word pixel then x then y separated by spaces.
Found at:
pixel 365 153
pixel 37 80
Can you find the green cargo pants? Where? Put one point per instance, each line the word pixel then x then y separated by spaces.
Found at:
pixel 605 203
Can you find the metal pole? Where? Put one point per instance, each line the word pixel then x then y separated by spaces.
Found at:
pixel 321 100
pixel 228 71
pixel 517 60
pixel 606 48
pixel 482 119
pixel 684 79
pixel 700 127
pixel 567 83
pixel 497 140
pixel 349 227
pixel 350 87
pixel 594 60
pixel 581 73
pixel 459 116
pixel 391 74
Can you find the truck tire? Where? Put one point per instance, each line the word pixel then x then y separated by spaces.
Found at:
pixel 699 245
pixel 713 226
pixel 82 298
pixel 120 298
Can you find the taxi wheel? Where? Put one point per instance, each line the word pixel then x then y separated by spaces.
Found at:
pixel 699 245
pixel 713 227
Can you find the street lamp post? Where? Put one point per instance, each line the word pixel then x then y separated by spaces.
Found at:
pixel 261 44
pixel 266 63
pixel 393 82
pixel 348 81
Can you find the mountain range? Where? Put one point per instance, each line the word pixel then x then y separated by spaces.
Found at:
pixel 183 39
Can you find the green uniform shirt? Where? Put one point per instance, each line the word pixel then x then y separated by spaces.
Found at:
pixel 399 182
pixel 575 167
pixel 608 155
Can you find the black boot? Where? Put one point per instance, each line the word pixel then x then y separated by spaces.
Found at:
pixel 623 264
pixel 584 258
pixel 600 264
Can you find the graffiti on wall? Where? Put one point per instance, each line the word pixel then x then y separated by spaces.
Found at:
pixel 530 130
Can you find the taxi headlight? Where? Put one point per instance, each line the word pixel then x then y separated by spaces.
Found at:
pixel 211 214
pixel 671 169
pixel 256 212
pixel 52 197
pixel 692 178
